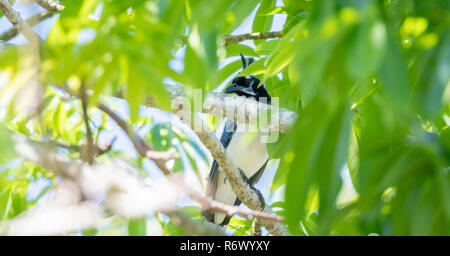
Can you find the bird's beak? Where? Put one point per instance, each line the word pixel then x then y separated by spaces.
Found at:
pixel 240 90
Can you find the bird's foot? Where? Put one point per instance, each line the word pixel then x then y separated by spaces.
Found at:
pixel 244 177
pixel 260 196
pixel 246 180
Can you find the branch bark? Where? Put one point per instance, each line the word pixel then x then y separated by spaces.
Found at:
pixel 235 39
pixel 89 153
pixel 18 22
pixel 237 108
pixel 33 20
pixel 50 5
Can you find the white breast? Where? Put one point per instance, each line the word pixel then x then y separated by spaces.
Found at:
pixel 247 151
pixel 249 154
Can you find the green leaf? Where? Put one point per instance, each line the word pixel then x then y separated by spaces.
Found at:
pixel 272 11
pixel 6 144
pixel 284 51
pixel 320 155
pixel 263 23
pixel 238 12
pixel 308 130
pixel 236 49
pixel 266 47
pixel 137 227
pixel 433 80
pixel 135 92
pixel 393 74
pixel 255 68
pixel 90 232
pixel 192 212
pixel 329 163
pixel 5 204
pixel 366 50
pixel 228 70
pixel 60 119
pixel 153 84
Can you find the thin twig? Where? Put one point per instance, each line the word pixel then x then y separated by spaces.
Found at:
pixel 141 146
pixel 88 154
pixel 143 149
pixel 98 149
pixel 235 39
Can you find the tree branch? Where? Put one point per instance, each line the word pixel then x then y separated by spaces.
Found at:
pixel 237 108
pixel 235 39
pixel 18 22
pixel 50 5
pixel 98 149
pixel 88 154
pixel 33 20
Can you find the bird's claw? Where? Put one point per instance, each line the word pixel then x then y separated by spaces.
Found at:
pixel 246 180
pixel 244 177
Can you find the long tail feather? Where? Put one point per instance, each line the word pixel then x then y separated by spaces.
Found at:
pixel 244 63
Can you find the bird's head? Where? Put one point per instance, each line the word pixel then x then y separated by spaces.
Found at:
pixel 248 86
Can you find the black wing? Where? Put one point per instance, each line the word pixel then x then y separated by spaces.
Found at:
pixel 225 138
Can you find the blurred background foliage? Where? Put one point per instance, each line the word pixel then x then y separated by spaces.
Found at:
pixel 369 79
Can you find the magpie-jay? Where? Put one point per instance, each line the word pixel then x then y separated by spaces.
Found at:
pixel 245 147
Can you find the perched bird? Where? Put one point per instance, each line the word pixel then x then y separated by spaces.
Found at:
pixel 245 147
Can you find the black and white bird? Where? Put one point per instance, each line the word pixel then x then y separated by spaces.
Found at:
pixel 245 147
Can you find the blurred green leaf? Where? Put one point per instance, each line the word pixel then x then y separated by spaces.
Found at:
pixel 367 49
pixel 255 68
pixel 137 227
pixel 393 73
pixel 263 22
pixel 229 69
pixel 6 144
pixel 236 49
